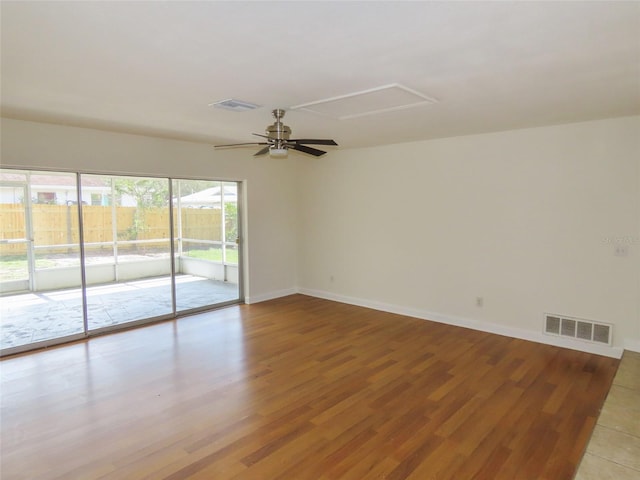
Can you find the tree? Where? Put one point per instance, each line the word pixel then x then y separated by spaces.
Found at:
pixel 147 193
pixel 187 187
pixel 231 222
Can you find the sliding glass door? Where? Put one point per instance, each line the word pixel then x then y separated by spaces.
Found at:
pixel 127 249
pixel 39 258
pixel 206 245
pixel 84 253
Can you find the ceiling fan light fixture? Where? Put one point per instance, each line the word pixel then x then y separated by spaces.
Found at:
pixel 278 152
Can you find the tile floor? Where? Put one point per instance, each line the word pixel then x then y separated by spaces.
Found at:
pixel 613 453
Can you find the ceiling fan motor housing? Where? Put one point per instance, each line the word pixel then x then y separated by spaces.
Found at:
pixel 278 131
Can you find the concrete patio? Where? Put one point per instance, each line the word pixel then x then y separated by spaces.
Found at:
pixel 33 317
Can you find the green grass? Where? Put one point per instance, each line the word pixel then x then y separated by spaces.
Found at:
pixel 16 268
pixel 13 269
pixel 213 255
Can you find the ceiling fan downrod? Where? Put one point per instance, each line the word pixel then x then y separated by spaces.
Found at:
pixel 279 132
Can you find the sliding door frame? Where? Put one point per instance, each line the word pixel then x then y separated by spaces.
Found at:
pixel 173 229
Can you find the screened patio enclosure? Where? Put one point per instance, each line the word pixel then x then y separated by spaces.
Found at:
pixel 81 253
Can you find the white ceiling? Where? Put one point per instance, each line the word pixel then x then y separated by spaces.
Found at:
pixel 153 67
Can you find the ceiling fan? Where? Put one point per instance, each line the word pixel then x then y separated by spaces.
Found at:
pixel 278 142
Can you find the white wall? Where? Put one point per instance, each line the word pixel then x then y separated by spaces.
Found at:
pixel 271 211
pixel 524 219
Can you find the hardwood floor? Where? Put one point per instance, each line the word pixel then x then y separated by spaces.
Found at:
pixel 300 388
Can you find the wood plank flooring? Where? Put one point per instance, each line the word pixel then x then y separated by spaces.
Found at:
pixel 299 388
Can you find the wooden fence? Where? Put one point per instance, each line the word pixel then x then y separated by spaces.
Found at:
pixel 58 225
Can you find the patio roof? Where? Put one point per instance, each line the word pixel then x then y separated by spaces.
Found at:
pixel 210 197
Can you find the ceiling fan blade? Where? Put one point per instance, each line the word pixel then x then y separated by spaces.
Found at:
pixel 264 136
pixel 240 144
pixel 262 151
pixel 309 150
pixel 314 141
pixel 276 142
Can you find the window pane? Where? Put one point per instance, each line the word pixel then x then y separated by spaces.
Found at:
pixel 200 225
pixel 42 262
pixel 127 253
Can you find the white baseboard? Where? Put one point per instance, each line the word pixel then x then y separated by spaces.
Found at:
pixel 270 295
pixel 632 345
pixel 539 337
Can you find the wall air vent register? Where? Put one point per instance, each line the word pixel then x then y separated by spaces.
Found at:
pixel 580 329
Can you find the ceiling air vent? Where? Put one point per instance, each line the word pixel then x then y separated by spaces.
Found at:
pixel 234 105
pixel 586 330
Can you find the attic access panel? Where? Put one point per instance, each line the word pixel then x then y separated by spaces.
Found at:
pixel 367 102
